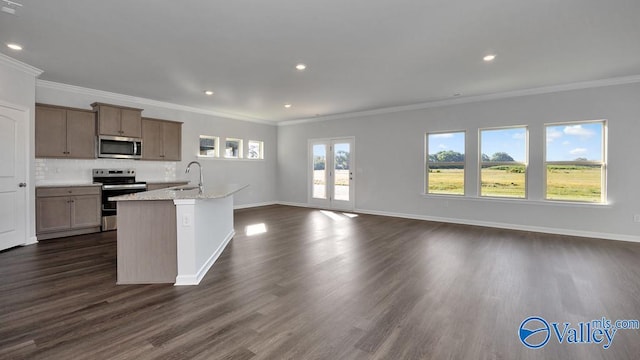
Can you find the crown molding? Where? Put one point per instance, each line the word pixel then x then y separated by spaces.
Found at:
pixel 472 99
pixel 144 101
pixel 19 65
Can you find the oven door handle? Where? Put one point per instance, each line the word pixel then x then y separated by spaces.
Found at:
pixel 124 187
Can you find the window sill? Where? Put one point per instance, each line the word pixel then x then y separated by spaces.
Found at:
pixel 518 201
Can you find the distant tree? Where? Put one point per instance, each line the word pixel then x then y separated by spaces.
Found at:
pixel 581 159
pixel 501 157
pixel 342 160
pixel 318 163
pixel 446 156
pixel 485 157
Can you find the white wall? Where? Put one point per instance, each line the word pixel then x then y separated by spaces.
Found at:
pixel 17 87
pixel 390 155
pixel 259 174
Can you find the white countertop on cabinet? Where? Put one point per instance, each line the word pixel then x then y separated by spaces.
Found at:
pixel 174 193
pixel 65 184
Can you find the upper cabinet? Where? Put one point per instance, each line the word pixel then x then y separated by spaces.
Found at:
pixel 118 120
pixel 65 132
pixel 161 140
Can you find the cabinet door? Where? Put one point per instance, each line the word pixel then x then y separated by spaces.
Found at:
pixel 151 139
pixel 172 141
pixel 85 211
pixel 51 132
pixel 81 134
pixel 109 120
pixel 131 123
pixel 53 213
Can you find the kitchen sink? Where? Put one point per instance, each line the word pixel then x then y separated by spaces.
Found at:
pixel 185 188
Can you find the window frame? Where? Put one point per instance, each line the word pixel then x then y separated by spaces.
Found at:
pixel 603 163
pixel 216 144
pixel 240 148
pixel 447 163
pixel 482 163
pixel 260 152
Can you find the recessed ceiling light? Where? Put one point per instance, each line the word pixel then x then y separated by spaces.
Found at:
pixel 14 46
pixel 301 67
pixel 287 105
pixel 208 92
pixel 489 57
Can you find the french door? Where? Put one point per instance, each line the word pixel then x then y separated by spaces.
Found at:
pixel 331 173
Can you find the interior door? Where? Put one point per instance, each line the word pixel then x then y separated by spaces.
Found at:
pixel 331 169
pixel 13 169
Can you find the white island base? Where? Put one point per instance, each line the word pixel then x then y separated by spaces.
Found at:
pixel 171 240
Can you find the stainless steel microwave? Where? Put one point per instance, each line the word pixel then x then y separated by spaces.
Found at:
pixel 118 147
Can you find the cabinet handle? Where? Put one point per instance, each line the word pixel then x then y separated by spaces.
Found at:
pixel 22 184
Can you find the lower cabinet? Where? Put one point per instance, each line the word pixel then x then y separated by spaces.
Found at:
pixel 66 211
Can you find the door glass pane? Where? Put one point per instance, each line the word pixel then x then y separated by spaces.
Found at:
pixel 341 156
pixel 319 171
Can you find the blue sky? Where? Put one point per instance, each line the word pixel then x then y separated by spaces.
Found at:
pixel 512 141
pixel 564 142
pixel 568 142
pixel 446 141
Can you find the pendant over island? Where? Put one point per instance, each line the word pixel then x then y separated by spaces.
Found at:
pixel 173 235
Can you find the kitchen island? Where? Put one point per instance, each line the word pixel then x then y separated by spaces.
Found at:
pixel 173 235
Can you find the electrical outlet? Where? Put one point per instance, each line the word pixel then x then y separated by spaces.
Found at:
pixel 186 220
pixel 636 218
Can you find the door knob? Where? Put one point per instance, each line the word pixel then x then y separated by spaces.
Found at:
pixel 22 185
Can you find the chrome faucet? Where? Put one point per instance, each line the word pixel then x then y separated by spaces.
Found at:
pixel 199 167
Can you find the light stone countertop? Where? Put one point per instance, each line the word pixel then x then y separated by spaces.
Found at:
pixel 173 193
pixel 165 181
pixel 65 184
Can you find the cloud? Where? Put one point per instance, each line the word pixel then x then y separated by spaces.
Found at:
pixel 518 136
pixel 553 134
pixel 441 136
pixel 566 142
pixel 578 151
pixel 442 146
pixel 578 130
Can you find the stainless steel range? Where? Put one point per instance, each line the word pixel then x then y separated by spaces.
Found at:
pixel 115 182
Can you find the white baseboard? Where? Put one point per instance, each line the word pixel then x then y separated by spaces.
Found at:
pixel 247 206
pixel 197 277
pixel 540 229
pixel 31 240
pixel 304 205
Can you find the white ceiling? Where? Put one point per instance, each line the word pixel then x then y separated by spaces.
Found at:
pixel 361 54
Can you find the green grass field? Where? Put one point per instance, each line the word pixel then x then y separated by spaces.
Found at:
pixel 569 183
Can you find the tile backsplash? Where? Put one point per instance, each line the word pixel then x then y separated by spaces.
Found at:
pixel 62 171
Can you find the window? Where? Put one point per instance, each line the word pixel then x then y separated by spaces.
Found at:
pixel 209 146
pixel 256 150
pixel 575 161
pixel 503 162
pixel 233 148
pixel 445 163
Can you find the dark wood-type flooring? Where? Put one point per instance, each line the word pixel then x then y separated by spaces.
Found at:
pixel 317 287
